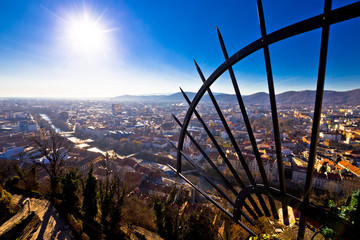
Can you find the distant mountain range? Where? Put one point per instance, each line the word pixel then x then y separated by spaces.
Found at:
pixel 306 97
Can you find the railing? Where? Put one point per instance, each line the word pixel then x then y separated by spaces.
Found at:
pixel 323 21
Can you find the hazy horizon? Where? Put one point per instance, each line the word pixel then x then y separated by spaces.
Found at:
pixel 144 95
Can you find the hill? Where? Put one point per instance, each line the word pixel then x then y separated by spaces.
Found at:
pixel 306 97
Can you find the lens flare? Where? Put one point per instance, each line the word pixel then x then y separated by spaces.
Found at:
pixel 87 35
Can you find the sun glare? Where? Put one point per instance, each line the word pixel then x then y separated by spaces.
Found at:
pixel 87 35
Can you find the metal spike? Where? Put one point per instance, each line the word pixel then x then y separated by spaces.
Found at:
pixel 249 129
pixel 273 110
pixel 253 203
pixel 235 145
pixel 212 201
pixel 317 116
pixel 207 158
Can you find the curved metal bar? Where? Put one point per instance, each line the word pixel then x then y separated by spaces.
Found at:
pixel 237 150
pixel 221 152
pixel 223 120
pixel 227 183
pixel 226 160
pixel 253 203
pixel 213 201
pixel 248 126
pixel 206 177
pixel 260 189
pixel 335 16
pixel 218 189
pixel 314 235
pixel 339 225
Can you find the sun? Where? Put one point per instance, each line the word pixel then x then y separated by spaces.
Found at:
pixel 87 35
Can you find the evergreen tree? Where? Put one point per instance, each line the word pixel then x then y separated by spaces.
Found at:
pixel 167 217
pixel 346 212
pixel 159 215
pixel 174 222
pixel 90 196
pixel 69 187
pixel 5 204
pixel 31 182
pixel 116 207
pixel 200 225
pixel 111 199
pixel 107 189
pixel 104 201
pixel 323 168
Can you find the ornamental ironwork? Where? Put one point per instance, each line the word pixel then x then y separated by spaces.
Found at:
pixel 250 190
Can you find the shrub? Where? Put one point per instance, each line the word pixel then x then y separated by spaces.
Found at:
pixel 5 204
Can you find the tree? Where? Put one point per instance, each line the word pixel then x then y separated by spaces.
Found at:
pixel 90 196
pixel 107 188
pixel 137 212
pixel 5 204
pixel 323 168
pixel 175 220
pixel 69 187
pixel 200 225
pixel 347 212
pixel 6 171
pixel 168 220
pixel 25 179
pixel 53 152
pixel 111 197
pixel 31 182
pixel 159 216
pixel 116 206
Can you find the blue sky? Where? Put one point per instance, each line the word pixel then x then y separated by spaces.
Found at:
pixel 148 47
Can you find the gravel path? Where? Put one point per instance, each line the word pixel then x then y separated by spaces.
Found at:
pixel 52 225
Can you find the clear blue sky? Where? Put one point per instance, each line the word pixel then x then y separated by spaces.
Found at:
pixel 148 47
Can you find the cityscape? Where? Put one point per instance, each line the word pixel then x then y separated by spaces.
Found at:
pixel 97 142
pixel 136 137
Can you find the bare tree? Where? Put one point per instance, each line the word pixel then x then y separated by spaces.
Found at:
pixel 51 153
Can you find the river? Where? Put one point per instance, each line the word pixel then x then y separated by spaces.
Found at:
pixel 46 117
pixel 71 138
